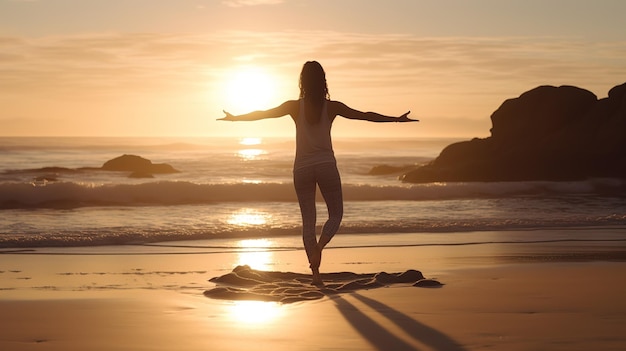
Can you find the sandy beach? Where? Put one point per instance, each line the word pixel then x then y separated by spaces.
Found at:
pixel 557 295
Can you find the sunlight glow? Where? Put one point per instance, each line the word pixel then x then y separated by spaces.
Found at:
pixel 249 88
pixel 255 312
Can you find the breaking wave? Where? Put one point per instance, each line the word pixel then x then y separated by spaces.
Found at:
pixel 72 195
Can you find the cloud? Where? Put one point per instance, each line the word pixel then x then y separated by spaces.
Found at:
pixel 374 67
pixel 97 62
pixel 117 79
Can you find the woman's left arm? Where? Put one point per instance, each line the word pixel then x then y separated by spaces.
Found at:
pixel 345 111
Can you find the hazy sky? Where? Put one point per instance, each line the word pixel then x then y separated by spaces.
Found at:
pixel 169 67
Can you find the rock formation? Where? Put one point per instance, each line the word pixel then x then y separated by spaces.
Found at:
pixel 547 133
pixel 139 166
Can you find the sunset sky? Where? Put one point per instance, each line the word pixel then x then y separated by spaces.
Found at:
pixel 169 67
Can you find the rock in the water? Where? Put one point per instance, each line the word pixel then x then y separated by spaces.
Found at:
pixel 139 166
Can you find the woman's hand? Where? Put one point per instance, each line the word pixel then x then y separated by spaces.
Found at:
pixel 405 118
pixel 228 117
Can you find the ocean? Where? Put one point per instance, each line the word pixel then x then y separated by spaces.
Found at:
pixel 241 189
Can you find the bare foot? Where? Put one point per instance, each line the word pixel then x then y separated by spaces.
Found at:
pixel 317 279
pixel 316 259
pixel 319 283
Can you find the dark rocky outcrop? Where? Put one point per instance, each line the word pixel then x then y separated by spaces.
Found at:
pixel 547 133
pixel 139 166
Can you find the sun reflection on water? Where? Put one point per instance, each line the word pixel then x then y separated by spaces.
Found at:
pixel 252 181
pixel 249 217
pixel 250 153
pixel 250 141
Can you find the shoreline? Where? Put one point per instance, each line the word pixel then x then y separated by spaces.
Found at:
pixel 523 235
pixel 563 295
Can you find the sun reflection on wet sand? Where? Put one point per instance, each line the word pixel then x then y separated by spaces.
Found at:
pixel 255 243
pixel 255 312
pixel 258 254
pixel 255 253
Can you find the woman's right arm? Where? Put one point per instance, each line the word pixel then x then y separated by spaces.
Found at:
pixel 286 108
pixel 342 109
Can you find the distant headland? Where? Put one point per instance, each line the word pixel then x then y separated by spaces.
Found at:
pixel 548 133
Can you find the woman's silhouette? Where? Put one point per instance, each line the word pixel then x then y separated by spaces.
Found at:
pixel 315 163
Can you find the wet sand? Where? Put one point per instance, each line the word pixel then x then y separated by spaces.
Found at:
pixel 563 295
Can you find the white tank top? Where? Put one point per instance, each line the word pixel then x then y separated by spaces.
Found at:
pixel 313 143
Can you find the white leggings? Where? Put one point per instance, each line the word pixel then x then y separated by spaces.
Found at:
pixel 326 176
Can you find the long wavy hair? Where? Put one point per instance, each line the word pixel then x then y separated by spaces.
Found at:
pixel 313 89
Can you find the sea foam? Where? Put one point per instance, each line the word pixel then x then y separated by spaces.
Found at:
pixel 70 194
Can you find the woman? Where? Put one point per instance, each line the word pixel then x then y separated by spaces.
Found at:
pixel 315 163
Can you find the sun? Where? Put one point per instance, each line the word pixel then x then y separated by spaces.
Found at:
pixel 249 88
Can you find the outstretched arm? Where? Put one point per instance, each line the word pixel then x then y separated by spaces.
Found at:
pixel 285 108
pixel 345 111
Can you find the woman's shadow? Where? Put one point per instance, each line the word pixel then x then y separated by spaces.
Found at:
pixel 383 339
